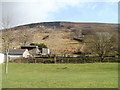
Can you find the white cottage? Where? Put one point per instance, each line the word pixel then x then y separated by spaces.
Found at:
pixel 17 53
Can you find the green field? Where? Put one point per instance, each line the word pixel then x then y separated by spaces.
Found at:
pixel 96 75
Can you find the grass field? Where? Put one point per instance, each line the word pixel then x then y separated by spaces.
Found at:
pixel 97 75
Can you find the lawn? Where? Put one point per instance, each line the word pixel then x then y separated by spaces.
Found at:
pixel 96 75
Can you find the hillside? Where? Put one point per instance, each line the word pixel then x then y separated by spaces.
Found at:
pixel 57 35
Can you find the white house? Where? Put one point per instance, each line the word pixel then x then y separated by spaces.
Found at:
pixel 17 53
pixel 2 58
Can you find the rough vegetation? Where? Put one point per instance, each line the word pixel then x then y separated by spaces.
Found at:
pixel 60 37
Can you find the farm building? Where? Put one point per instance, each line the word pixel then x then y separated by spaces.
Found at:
pixel 35 50
pixel 45 51
pixel 17 53
pixel 25 51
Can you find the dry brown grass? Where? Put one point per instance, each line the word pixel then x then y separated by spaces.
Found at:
pixel 57 43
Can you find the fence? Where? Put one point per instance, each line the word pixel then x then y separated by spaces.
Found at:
pixel 82 59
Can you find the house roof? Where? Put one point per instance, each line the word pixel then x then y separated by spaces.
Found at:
pixel 16 51
pixel 28 47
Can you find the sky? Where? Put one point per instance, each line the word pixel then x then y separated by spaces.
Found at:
pixel 34 11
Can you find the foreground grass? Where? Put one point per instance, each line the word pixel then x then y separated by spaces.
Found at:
pixel 97 75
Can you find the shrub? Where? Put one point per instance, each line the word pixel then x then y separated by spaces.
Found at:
pixel 42 45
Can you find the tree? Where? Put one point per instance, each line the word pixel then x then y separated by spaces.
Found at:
pixel 102 43
pixel 6 22
pixel 7 37
pixel 42 45
pixel 7 34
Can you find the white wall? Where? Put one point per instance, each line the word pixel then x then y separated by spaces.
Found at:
pixel 26 54
pixel 2 58
pixel 12 57
pixel 45 51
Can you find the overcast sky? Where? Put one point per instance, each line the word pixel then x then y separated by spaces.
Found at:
pixel 60 10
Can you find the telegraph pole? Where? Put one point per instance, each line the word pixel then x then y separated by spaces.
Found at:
pixel 7 61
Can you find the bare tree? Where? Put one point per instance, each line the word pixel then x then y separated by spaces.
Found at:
pixel 7 34
pixel 7 37
pixel 102 43
pixel 6 22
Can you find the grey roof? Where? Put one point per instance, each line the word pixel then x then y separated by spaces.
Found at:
pixel 16 51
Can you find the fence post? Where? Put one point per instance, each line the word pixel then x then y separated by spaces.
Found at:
pixel 35 60
pixel 55 59
pixel 68 60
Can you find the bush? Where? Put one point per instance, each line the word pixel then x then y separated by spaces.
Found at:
pixel 42 45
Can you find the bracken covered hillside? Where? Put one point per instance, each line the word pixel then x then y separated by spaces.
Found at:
pixel 58 36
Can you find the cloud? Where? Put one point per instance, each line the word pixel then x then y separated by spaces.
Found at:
pixel 31 11
pixel 35 11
